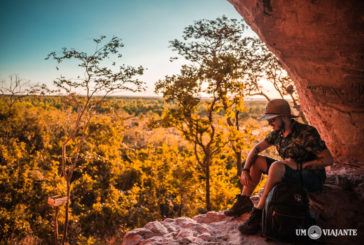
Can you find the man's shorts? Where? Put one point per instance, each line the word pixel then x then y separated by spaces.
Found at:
pixel 313 180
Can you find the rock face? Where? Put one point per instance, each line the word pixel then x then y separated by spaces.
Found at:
pixel 321 45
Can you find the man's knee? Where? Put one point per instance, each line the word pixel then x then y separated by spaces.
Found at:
pixel 260 163
pixel 277 167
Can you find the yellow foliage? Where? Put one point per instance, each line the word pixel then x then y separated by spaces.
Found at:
pixel 129 173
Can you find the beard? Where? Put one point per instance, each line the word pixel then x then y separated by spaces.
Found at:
pixel 283 125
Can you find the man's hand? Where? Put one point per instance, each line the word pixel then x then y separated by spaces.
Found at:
pixel 290 163
pixel 245 179
pixel 324 159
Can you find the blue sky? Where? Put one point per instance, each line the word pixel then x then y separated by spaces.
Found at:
pixel 30 29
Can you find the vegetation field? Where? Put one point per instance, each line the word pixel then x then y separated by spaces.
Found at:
pixel 131 170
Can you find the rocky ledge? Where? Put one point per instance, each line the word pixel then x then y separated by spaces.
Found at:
pixel 338 206
pixel 209 228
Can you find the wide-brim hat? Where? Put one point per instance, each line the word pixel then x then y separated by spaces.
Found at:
pixel 276 108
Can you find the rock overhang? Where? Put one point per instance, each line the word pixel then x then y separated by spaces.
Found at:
pixel 321 45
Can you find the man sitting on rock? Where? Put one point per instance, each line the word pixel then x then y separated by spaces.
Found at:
pixel 296 143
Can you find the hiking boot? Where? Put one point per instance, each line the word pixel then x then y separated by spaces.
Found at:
pixel 254 224
pixel 242 205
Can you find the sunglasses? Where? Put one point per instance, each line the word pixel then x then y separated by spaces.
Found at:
pixel 272 120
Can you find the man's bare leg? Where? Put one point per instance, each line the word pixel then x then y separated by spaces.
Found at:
pixel 253 224
pixel 259 166
pixel 243 203
pixel 275 175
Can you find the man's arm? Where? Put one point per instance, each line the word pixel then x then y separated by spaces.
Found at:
pixel 253 154
pixel 323 159
pixel 245 178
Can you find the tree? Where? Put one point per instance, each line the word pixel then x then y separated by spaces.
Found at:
pixel 224 59
pixel 266 66
pixel 183 91
pixel 16 88
pixel 100 79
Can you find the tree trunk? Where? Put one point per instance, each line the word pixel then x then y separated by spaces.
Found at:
pixel 64 238
pixel 236 151
pixel 208 203
pixel 56 226
pixel 180 205
pixel 239 167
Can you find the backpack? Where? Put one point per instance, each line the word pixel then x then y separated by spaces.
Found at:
pixel 286 209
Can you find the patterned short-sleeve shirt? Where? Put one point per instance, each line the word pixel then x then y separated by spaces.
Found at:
pixel 302 144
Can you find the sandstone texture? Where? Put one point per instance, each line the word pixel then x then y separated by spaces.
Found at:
pixel 321 45
pixel 210 228
pixel 338 206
